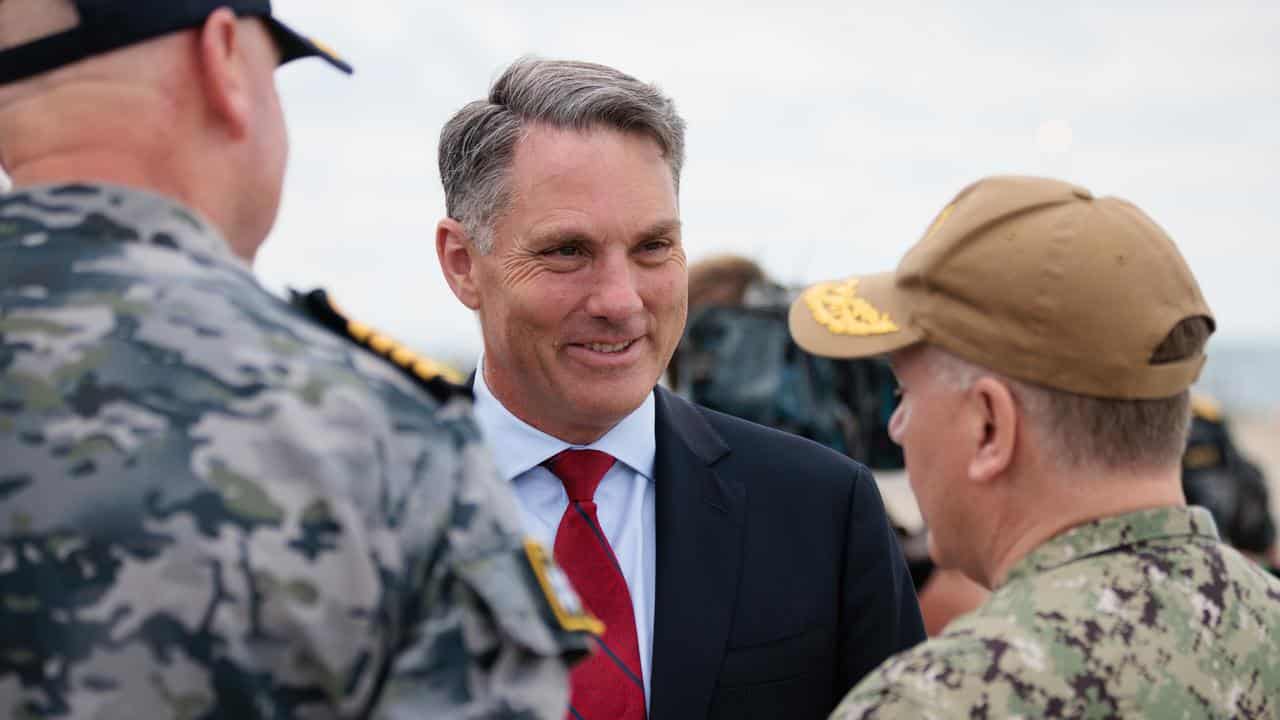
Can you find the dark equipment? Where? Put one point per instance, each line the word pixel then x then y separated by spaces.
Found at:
pixel 1216 476
pixel 740 360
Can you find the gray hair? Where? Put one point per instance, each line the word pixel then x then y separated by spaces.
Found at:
pixel 1083 432
pixel 477 145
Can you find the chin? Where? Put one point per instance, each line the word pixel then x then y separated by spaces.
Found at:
pixel 608 402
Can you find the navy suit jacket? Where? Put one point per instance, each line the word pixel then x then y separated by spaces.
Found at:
pixel 780 583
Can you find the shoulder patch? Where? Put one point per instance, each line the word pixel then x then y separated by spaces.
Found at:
pixel 440 380
pixel 563 599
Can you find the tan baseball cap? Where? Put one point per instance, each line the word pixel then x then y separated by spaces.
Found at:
pixel 1033 278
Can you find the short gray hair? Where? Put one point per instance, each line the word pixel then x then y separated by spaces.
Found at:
pixel 477 145
pixel 1111 433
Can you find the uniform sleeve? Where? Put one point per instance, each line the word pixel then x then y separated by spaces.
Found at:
pixel 490 634
pixel 958 675
pixel 879 615
pixel 876 699
pixel 214 514
pixel 214 559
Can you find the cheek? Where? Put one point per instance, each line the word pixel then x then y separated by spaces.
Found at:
pixel 273 153
pixel 529 309
pixel 667 302
pixel 666 293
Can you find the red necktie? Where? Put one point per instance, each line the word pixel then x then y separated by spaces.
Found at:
pixel 608 684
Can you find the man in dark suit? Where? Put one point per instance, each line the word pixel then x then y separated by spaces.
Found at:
pixel 739 571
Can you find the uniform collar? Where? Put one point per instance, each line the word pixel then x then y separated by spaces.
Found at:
pixel 120 213
pixel 1105 534
pixel 520 447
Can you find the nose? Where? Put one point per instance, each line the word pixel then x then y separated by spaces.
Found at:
pixel 615 295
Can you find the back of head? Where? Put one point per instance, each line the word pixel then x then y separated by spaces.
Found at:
pixel 22 21
pixel 34 62
pixel 477 145
pixel 1088 432
pixel 104 101
pixel 722 280
pixel 1082 302
pixel 42 36
pixel 173 97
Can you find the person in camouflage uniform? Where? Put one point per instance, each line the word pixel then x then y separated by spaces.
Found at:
pixel 1045 341
pixel 210 505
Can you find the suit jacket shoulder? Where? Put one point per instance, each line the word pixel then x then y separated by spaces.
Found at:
pixel 800 586
pixel 764 459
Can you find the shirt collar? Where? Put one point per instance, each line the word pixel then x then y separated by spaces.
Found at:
pixel 520 447
pixel 1105 534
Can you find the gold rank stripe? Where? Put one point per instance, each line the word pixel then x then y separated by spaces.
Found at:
pixel 421 367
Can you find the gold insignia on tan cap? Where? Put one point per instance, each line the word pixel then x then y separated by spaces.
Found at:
pixel 837 307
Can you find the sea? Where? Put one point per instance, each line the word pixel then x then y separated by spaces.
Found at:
pixel 1243 376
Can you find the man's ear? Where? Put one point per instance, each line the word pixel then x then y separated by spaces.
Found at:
pixel 224 72
pixel 997 411
pixel 454 249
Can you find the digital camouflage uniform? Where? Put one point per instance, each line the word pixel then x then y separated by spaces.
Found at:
pixel 1139 615
pixel 213 508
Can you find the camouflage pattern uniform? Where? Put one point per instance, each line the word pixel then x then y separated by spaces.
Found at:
pixel 213 508
pixel 1140 615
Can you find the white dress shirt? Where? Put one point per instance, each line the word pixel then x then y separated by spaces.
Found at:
pixel 624 499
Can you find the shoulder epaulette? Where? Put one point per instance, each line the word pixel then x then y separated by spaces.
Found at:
pixel 440 380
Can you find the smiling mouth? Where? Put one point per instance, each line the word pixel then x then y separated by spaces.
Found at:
pixel 609 348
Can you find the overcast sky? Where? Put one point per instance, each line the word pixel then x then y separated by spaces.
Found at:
pixel 822 138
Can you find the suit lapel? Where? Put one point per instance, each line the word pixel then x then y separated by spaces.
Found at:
pixel 699 530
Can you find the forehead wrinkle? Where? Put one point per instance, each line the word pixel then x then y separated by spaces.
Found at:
pixel 577 164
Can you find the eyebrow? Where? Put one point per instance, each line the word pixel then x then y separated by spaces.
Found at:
pixel 558 236
pixel 662 228
pixel 570 236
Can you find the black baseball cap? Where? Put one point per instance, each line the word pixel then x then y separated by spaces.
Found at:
pixel 107 25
